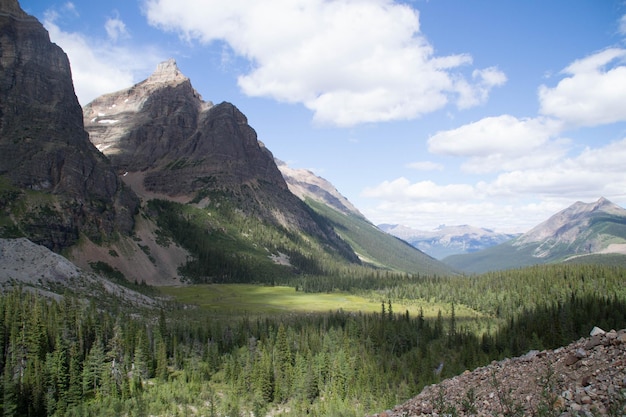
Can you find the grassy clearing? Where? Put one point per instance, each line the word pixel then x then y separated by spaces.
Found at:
pixel 242 299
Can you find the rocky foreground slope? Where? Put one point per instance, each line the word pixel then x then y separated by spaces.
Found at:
pixel 585 378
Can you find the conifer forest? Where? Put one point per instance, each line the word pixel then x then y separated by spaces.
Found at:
pixel 70 357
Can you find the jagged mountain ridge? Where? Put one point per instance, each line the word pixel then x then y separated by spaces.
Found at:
pixel 63 186
pixel 572 227
pixel 448 240
pixel 305 184
pixel 583 229
pixel 167 142
pixel 161 126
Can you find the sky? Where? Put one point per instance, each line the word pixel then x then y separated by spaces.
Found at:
pixel 496 114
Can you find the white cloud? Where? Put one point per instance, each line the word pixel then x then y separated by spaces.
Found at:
pixel 593 93
pixel 425 166
pixel 501 143
pixel 70 7
pixel 492 135
pixel 514 200
pixel 476 93
pixel 349 62
pixel 99 67
pixel 402 189
pixel 116 29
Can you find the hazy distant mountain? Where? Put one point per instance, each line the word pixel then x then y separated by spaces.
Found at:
pixel 583 229
pixel 448 240
pixel 305 183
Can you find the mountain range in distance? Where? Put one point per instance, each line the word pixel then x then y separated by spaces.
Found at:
pixel 448 240
pixel 582 233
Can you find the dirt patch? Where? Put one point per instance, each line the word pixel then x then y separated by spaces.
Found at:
pixel 140 258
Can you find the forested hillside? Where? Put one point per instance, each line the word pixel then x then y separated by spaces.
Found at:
pixel 67 358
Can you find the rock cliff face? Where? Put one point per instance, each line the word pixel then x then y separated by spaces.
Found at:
pixel 43 144
pixel 171 143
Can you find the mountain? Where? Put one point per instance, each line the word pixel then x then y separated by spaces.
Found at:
pixel 371 245
pixel 54 184
pixel 152 183
pixel 305 184
pixel 582 230
pixel 169 145
pixel 448 240
pixel 167 142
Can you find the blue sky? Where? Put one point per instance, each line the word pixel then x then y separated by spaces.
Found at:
pixel 427 112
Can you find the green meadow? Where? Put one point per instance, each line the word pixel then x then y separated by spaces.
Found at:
pixel 234 300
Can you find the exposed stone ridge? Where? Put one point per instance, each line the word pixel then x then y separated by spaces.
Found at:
pixel 31 266
pixel 567 223
pixel 185 149
pixel 135 127
pixel 12 8
pixel 166 72
pixel 587 377
pixel 305 184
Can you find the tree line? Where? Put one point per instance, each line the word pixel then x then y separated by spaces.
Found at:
pixel 66 357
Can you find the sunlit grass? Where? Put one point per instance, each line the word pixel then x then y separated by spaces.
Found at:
pixel 242 299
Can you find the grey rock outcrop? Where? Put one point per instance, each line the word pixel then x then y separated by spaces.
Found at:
pixel 43 144
pixel 587 377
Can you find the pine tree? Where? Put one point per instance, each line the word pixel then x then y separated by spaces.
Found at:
pixel 93 369
pixel 74 391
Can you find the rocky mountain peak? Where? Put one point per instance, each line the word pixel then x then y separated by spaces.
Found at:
pixel 566 224
pixel 12 7
pixel 168 143
pixel 167 72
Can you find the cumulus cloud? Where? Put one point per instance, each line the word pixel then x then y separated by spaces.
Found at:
pixel 499 143
pixel 98 66
pixel 348 62
pixel 588 175
pixel 477 92
pixel 403 189
pixel 592 93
